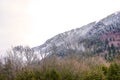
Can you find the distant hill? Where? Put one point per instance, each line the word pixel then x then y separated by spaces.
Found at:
pixel 100 38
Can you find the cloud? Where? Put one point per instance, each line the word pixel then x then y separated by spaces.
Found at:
pixel 14 21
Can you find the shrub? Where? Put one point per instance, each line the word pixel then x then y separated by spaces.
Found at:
pixel 52 75
pixel 2 77
pixel 95 74
pixel 25 75
pixel 114 72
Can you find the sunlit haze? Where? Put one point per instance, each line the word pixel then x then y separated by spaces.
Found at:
pixel 32 22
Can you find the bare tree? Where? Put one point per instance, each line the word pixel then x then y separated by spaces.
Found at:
pixel 30 56
pixel 22 56
pixel 15 57
pixel 42 54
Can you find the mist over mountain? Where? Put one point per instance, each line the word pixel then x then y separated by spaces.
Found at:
pixel 99 37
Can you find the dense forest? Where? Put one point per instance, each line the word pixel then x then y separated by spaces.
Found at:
pixel 21 63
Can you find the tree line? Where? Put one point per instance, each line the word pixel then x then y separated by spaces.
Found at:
pixel 21 63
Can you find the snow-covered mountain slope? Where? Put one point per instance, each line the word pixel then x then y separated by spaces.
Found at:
pixel 92 36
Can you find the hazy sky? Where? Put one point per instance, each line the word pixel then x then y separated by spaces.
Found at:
pixel 32 22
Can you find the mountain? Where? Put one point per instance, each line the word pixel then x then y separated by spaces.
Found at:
pixel 100 37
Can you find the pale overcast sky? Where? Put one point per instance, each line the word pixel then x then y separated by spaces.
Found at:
pixel 32 22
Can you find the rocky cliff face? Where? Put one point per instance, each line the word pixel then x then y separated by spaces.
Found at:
pixel 101 37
